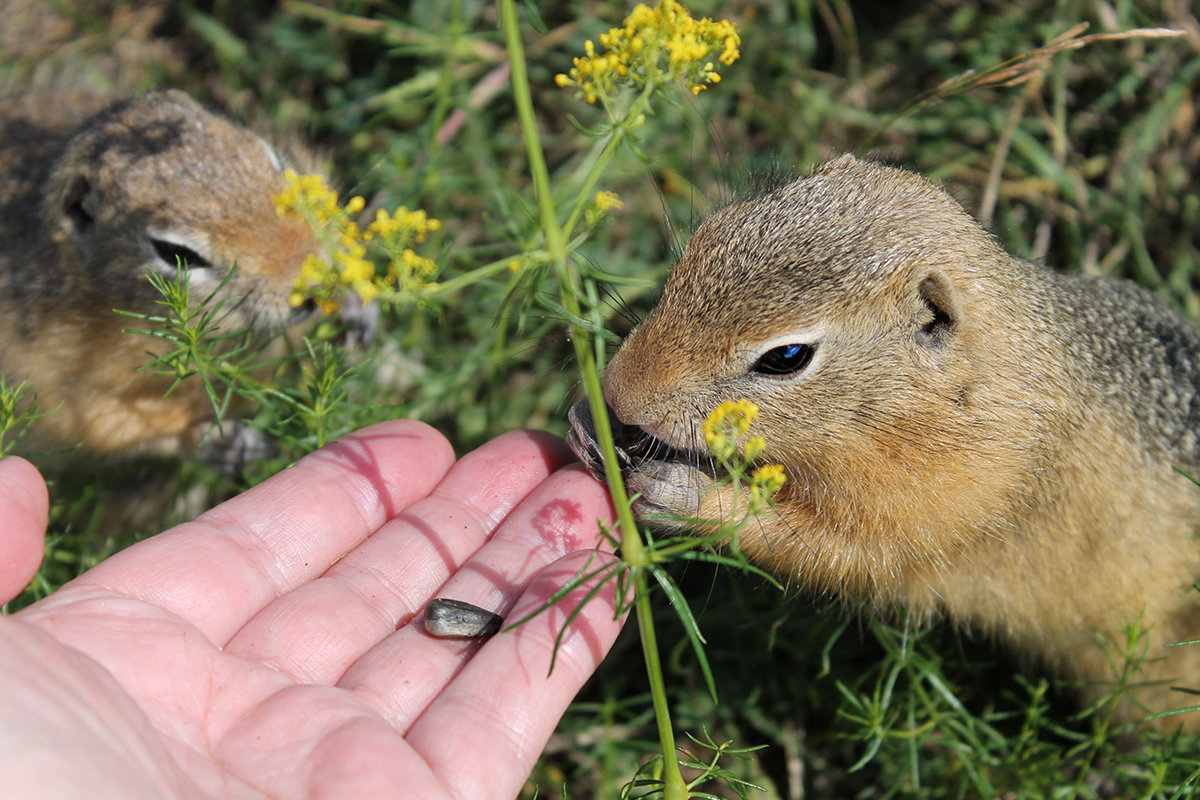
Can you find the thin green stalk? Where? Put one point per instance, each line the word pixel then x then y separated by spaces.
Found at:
pixel 468 278
pixel 615 137
pixel 632 549
pixel 556 245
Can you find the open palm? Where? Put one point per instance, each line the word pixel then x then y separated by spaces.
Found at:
pixel 274 647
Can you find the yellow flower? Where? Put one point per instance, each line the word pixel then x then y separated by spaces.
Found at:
pixel 313 269
pixel 307 197
pixel 350 251
pixel 726 425
pixel 355 270
pixel 606 201
pixel 385 225
pixel 654 46
pixel 602 203
pixel 735 415
pixel 765 483
pixel 770 476
pixel 724 428
pixel 418 222
pixel 417 265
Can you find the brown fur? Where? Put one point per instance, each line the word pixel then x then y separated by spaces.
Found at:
pixel 86 191
pixel 975 435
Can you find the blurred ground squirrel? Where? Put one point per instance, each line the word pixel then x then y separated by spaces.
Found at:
pixel 93 197
pixel 962 432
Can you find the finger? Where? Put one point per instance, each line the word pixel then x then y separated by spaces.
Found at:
pixel 500 710
pixel 225 566
pixel 405 673
pixel 315 632
pixel 24 510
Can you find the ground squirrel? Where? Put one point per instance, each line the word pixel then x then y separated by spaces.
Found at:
pixel 94 196
pixel 962 432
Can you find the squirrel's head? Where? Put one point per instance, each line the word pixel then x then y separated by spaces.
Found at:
pixel 156 183
pixel 840 304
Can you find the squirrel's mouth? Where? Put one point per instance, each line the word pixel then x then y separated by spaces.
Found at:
pixel 634 446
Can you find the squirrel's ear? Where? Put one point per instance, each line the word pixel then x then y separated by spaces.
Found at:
pixel 938 317
pixel 75 207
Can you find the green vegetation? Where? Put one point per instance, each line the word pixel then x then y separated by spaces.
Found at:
pixel 1081 157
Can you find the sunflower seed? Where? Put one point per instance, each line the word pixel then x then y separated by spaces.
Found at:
pixel 456 619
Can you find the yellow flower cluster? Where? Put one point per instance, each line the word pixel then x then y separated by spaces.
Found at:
pixel 655 45
pixel 607 201
pixel 407 272
pixel 765 482
pixel 346 264
pixel 307 193
pixel 727 425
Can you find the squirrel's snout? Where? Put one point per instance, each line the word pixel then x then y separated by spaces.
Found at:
pixel 629 441
pixel 632 444
pixel 582 438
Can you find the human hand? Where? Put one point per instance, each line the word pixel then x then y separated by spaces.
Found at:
pixel 274 647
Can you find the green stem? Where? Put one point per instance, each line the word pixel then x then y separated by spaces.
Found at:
pixel 617 135
pixel 674 786
pixel 633 551
pixel 472 277
pixel 468 278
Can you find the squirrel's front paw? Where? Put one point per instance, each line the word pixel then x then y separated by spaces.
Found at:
pixel 232 444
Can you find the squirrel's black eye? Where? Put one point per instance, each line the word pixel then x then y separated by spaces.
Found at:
pixel 178 254
pixel 785 359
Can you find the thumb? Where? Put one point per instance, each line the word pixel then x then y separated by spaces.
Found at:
pixel 24 510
